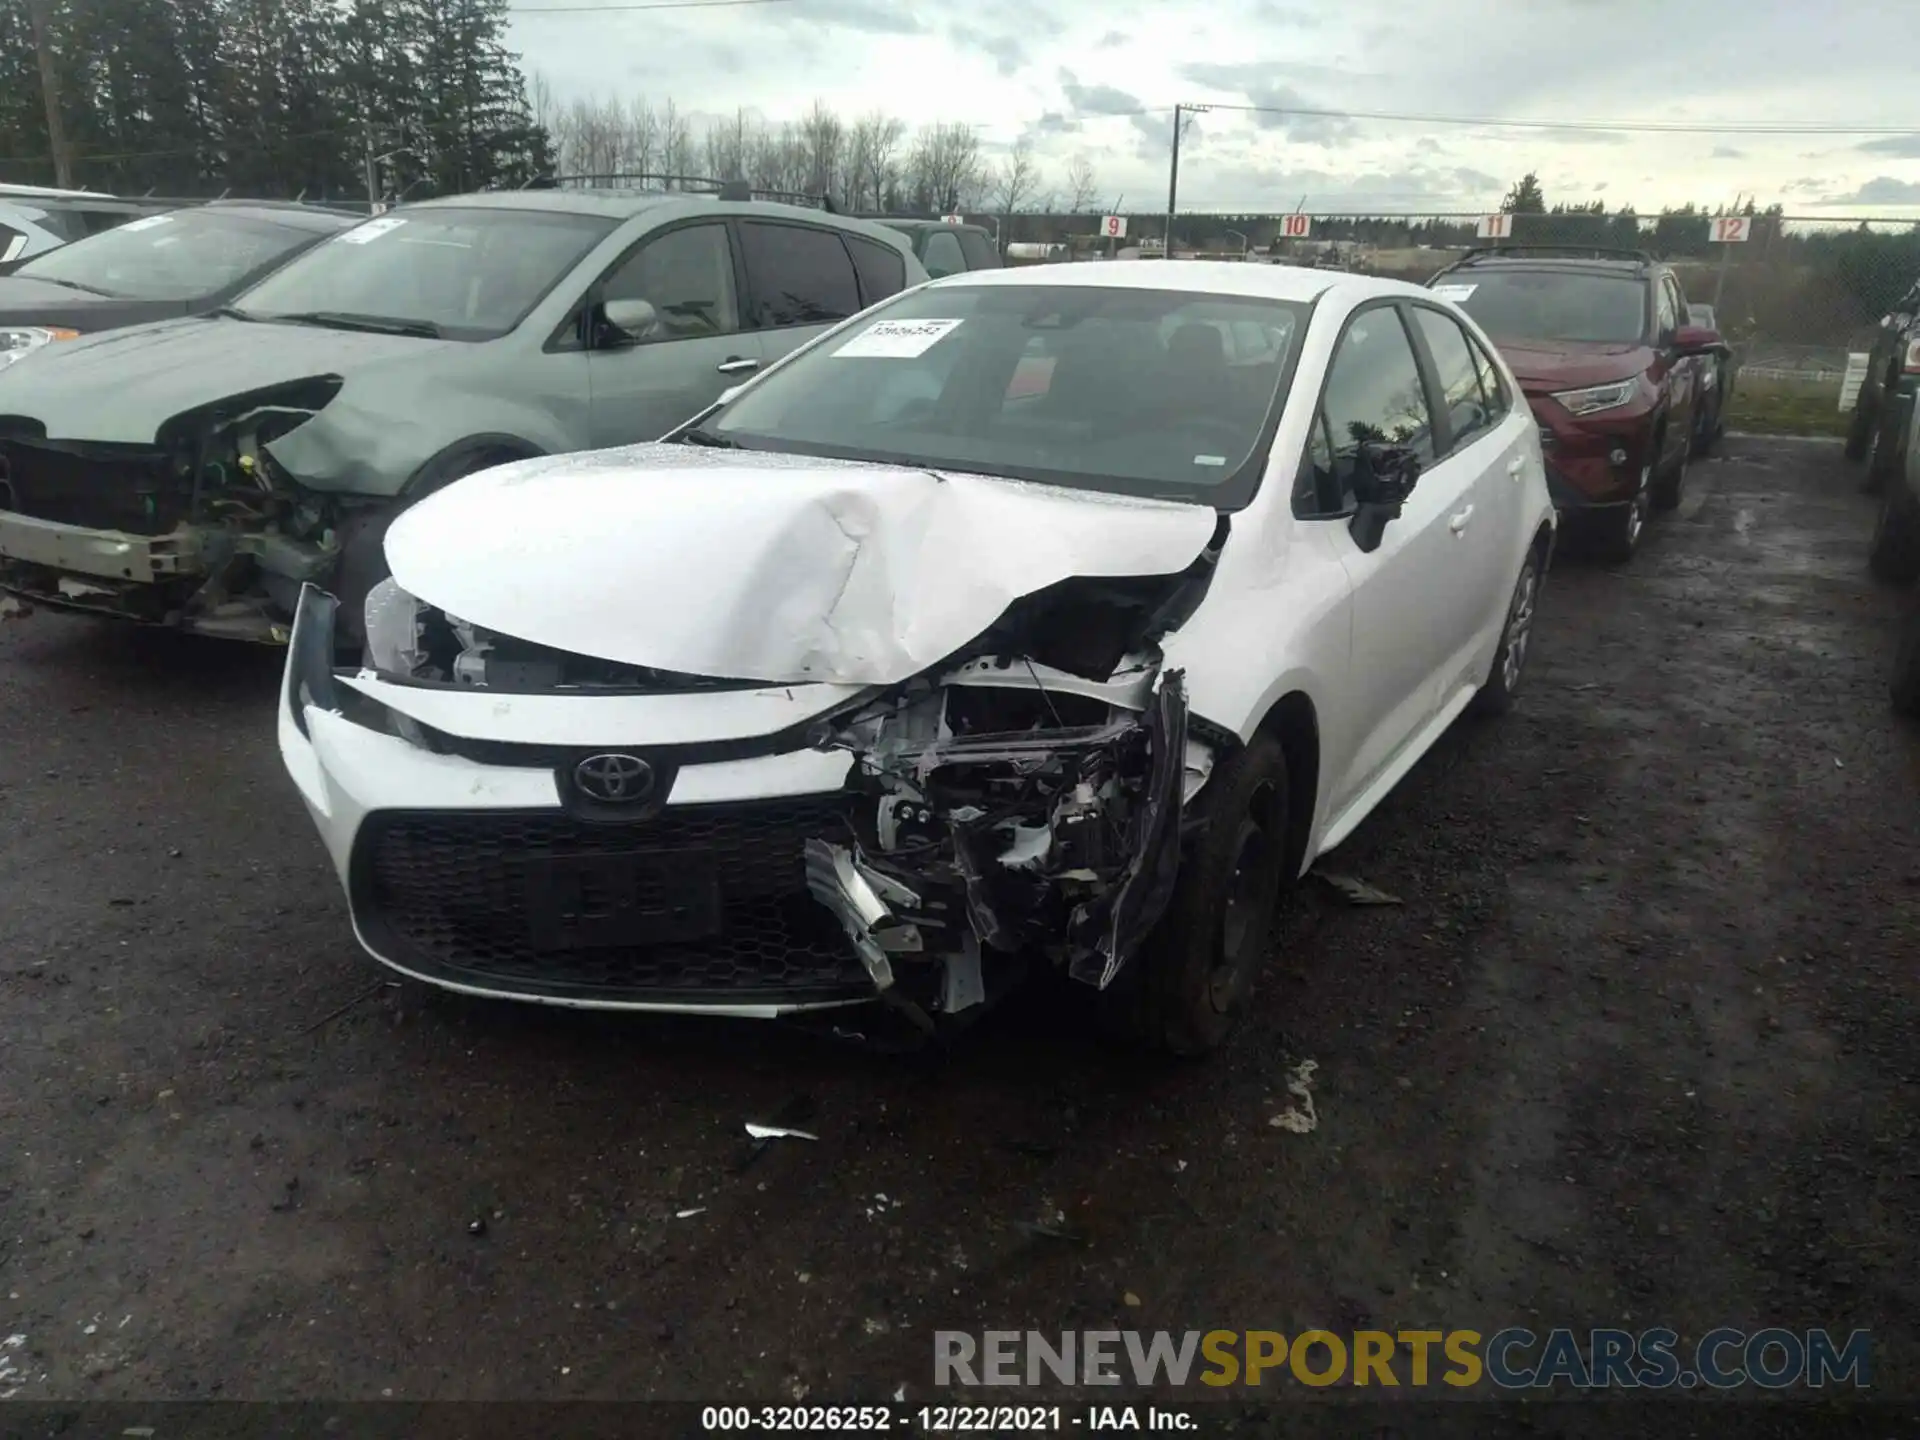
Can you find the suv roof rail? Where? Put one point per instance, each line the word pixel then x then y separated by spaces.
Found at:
pixel 683 184
pixel 1562 252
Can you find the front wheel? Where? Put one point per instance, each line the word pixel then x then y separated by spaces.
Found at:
pixel 1667 492
pixel 1625 527
pixel 1905 685
pixel 1859 430
pixel 1894 553
pixel 1182 992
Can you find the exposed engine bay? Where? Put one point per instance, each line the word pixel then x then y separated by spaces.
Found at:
pixel 1023 801
pixel 202 529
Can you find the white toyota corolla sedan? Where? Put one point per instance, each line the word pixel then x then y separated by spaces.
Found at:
pixel 1049 617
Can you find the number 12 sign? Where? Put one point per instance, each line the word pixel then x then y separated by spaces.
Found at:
pixel 1731 229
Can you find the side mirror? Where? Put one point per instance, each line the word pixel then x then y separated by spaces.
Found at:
pixel 1384 476
pixel 1698 340
pixel 629 320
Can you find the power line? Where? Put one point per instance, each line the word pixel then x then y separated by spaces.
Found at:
pixel 1656 127
pixel 637 5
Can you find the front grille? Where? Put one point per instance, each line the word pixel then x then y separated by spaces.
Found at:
pixel 455 895
pixel 102 487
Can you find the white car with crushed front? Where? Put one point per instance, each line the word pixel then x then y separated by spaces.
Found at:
pixel 1053 617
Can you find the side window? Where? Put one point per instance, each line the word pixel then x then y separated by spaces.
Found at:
pixel 979 250
pixel 882 271
pixel 1669 312
pixel 686 276
pixel 944 256
pixel 798 276
pixel 1374 395
pixel 1468 414
pixel 1491 385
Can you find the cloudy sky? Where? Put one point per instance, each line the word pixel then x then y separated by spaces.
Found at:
pixel 1100 77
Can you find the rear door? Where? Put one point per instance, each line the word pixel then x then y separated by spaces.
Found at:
pixel 799 280
pixel 1484 458
pixel 642 385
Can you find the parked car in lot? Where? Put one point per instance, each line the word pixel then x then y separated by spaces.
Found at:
pixel 1609 363
pixel 35 219
pixel 1717 393
pixel 1905 683
pixel 947 249
pixel 1885 399
pixel 892 677
pixel 180 262
pixel 248 451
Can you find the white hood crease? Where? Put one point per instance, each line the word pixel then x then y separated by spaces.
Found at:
pixel 754 566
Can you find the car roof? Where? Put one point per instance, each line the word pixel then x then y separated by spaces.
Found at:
pixel 914 223
pixel 46 192
pixel 1628 267
pixel 288 213
pixel 1205 277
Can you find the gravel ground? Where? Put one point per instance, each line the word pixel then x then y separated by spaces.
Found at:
pixel 1638 1048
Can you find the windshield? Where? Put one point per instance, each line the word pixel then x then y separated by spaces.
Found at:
pixel 1552 304
pixel 179 256
pixel 466 274
pixel 1145 392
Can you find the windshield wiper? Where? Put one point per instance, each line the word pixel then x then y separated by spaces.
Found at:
pixel 70 285
pixel 708 440
pixel 372 324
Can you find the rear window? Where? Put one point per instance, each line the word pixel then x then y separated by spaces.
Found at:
pixel 883 271
pixel 979 250
pixel 1583 307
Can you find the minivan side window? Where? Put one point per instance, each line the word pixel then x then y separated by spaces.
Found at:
pixel 944 256
pixel 882 270
pixel 1374 395
pixel 1469 415
pixel 797 276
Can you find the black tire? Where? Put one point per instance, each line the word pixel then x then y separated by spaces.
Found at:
pixel 1883 453
pixel 1859 430
pixel 363 545
pixel 1671 485
pixel 1623 529
pixel 1504 680
pixel 1893 554
pixel 1904 687
pixel 1185 987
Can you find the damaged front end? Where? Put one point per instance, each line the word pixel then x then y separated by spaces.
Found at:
pixel 201 530
pixel 999 823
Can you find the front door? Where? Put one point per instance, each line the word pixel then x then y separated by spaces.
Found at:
pixel 681 355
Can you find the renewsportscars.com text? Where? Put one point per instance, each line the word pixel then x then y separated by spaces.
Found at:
pixel 1509 1359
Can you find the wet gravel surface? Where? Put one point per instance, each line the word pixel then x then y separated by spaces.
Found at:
pixel 1639 1048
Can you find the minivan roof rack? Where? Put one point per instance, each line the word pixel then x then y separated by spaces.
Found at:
pixel 1557 252
pixel 684 184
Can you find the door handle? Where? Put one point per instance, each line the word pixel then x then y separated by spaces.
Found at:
pixel 1460 521
pixel 736 365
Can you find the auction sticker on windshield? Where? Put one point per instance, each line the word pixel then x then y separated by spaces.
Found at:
pixel 896 339
pixel 372 230
pixel 1454 292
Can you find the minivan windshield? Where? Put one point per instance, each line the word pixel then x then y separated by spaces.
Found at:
pixel 1576 306
pixel 180 255
pixel 1133 391
pixel 463 274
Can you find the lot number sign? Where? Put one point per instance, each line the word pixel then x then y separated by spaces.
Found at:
pixel 1114 227
pixel 1731 229
pixel 1296 227
pixel 1496 227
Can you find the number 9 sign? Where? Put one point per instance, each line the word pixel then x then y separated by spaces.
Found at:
pixel 1114 227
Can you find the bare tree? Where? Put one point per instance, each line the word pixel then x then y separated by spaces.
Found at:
pixel 945 169
pixel 823 138
pixel 874 159
pixel 676 141
pixel 730 146
pixel 640 139
pixel 1081 187
pixel 1015 180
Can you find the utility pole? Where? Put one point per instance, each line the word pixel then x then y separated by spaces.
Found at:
pixel 50 92
pixel 1173 173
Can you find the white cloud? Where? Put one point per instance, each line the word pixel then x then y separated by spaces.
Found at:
pixel 1102 78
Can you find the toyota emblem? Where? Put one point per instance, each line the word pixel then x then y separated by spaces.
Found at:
pixel 616 779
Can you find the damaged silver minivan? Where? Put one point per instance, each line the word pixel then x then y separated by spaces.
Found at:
pixel 1050 618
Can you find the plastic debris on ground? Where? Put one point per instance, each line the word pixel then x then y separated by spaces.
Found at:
pixel 1301 1119
pixel 1356 890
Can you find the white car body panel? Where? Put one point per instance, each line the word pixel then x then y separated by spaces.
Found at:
pixel 834 573
pixel 830 577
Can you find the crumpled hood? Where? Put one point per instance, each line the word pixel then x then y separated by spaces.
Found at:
pixel 745 565
pixel 1542 365
pixel 155 372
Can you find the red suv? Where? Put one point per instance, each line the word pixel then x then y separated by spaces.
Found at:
pixel 1600 343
